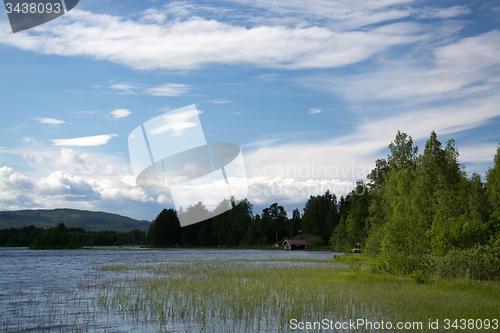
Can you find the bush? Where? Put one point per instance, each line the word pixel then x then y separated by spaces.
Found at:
pixel 374 243
pixel 477 263
pixel 419 276
pixel 403 264
pixel 381 266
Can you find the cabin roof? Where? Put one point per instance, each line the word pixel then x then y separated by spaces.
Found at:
pixel 295 242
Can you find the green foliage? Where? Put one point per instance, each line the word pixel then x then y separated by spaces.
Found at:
pixel 295 223
pixel 419 276
pixel 403 231
pixel 62 237
pixel 404 264
pixel 276 216
pixel 373 245
pixel 320 215
pixel 478 263
pixel 493 192
pixel 23 237
pixel 339 239
pixel 165 230
pixel 425 204
pixel 403 153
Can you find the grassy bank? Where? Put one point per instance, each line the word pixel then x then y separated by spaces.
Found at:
pixel 245 295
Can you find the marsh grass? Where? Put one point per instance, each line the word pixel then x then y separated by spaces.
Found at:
pixel 244 295
pixel 263 295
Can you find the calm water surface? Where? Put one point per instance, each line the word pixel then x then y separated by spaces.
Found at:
pixel 57 291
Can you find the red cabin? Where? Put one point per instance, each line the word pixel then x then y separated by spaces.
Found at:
pixel 295 244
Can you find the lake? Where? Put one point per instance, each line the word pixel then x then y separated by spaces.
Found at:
pixel 67 291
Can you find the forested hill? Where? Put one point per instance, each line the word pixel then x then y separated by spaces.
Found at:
pixel 72 218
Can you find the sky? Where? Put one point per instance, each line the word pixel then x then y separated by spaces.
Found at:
pixel 312 91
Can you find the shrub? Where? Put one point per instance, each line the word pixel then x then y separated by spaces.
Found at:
pixel 419 276
pixel 477 263
pixel 403 264
pixel 381 266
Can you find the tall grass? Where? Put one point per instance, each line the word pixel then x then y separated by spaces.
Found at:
pixel 243 296
pixel 238 295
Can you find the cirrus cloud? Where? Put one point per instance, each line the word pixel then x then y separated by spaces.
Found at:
pixel 50 121
pixel 169 89
pixel 196 42
pixel 87 141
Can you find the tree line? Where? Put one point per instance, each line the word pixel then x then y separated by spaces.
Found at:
pixel 61 237
pixel 417 210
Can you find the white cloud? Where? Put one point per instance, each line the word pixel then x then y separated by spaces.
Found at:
pixel 50 121
pixel 267 77
pixel 120 113
pixel 165 109
pixel 31 140
pixel 482 152
pixel 177 123
pixel 163 199
pixel 60 183
pixel 87 141
pixel 82 164
pixel 293 192
pixel 442 13
pixel 220 101
pixel 467 67
pixel 11 178
pixel 314 111
pixel 124 89
pixel 106 188
pixel 169 89
pixel 299 169
pixel 153 15
pixel 35 161
pixel 343 14
pixel 195 42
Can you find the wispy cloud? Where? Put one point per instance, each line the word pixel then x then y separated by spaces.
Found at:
pixel 31 140
pixel 267 77
pixel 168 89
pixel 177 44
pixel 88 141
pixel 220 101
pixel 442 13
pixel 124 89
pixel 467 67
pixel 314 111
pixel 50 121
pixel 120 113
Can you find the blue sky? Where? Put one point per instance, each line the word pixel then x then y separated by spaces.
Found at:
pixel 313 92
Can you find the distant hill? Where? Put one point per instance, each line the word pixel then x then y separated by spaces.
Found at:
pixel 47 218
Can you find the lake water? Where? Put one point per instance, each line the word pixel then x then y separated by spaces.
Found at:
pixel 57 291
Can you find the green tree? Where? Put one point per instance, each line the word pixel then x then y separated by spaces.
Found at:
pixel 165 230
pixel 358 214
pixel 294 224
pixel 493 192
pixel 314 220
pixel 276 216
pixel 403 154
